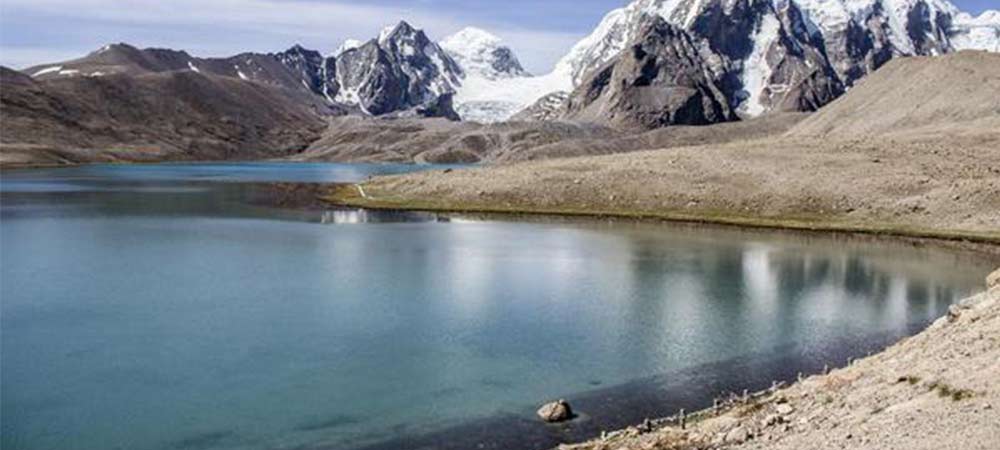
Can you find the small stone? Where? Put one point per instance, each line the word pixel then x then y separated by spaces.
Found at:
pixel 954 312
pixel 785 409
pixel 993 280
pixel 737 435
pixel 558 411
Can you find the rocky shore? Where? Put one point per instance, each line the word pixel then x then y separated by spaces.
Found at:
pixel 936 390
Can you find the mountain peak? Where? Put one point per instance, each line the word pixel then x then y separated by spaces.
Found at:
pixel 403 28
pixel 348 44
pixel 481 53
pixel 473 36
pixel 117 46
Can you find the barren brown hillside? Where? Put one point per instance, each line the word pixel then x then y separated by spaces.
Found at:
pixel 955 93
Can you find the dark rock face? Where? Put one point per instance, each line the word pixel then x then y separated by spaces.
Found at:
pixel 549 107
pixel 810 93
pixel 401 70
pixel 428 69
pixel 317 73
pixel 369 79
pixel 504 61
pixel 927 30
pixel 441 106
pixel 658 80
pixel 750 34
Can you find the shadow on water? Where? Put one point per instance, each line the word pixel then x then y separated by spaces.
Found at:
pixel 329 423
pixel 202 441
pixel 617 407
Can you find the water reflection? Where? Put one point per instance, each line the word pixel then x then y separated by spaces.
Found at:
pixel 241 323
pixel 358 216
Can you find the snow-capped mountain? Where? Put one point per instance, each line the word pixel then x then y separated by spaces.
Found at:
pixel 762 55
pixel 348 44
pixel 494 85
pixel 976 33
pixel 777 53
pixel 662 80
pixel 481 54
pixel 401 69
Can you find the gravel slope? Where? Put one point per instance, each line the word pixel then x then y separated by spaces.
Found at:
pixel 952 94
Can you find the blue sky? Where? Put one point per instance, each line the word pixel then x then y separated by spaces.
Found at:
pixel 539 31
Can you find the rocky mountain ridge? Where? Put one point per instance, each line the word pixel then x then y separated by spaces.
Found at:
pixel 402 70
pixel 791 54
pixel 762 55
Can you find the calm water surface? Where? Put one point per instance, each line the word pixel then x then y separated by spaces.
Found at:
pixel 164 307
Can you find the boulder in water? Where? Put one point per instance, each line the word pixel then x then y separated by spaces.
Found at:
pixel 558 411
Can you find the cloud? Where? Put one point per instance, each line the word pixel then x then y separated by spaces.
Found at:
pixel 35 31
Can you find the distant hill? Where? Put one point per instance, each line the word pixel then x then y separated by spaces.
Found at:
pixel 154 116
pixel 951 93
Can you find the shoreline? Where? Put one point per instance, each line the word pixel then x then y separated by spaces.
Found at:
pixel 776 418
pixel 612 410
pixel 349 195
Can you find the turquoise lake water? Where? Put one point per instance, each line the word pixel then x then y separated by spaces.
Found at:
pixel 166 307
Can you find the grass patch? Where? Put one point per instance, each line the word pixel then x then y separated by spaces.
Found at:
pixel 749 410
pixel 911 379
pixel 947 391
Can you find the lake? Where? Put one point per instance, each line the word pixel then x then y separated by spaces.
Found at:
pixel 170 307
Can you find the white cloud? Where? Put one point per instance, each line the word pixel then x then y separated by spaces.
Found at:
pixel 221 27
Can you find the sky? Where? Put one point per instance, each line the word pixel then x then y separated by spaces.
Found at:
pixel 539 31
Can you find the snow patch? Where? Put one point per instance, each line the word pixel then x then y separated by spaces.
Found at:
pixel 192 67
pixel 349 44
pixel 756 69
pixel 480 53
pixel 497 100
pixel 47 70
pixel 977 33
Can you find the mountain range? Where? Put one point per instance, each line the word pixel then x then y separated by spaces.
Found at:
pixel 649 64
